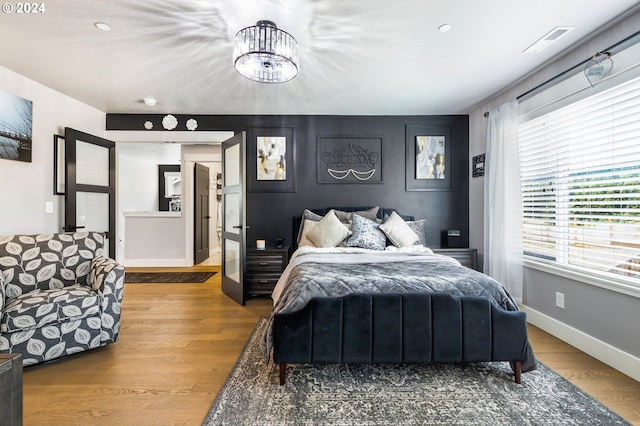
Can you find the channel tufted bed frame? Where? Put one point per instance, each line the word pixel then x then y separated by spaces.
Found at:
pixel 431 327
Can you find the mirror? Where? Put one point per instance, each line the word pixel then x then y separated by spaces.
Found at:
pixel 172 184
pixel 169 188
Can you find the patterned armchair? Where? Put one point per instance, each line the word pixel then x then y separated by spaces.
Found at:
pixel 58 295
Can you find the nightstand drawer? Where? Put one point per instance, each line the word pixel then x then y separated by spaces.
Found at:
pixel 466 256
pixel 263 268
pixel 264 263
pixel 261 285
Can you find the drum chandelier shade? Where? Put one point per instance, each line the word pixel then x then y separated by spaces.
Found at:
pixel 266 54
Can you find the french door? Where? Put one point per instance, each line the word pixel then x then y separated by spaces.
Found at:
pixel 90 178
pixel 233 216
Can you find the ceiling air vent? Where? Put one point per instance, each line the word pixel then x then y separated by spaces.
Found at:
pixel 549 38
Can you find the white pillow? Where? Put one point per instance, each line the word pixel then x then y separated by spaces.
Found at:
pixel 307 227
pixel 329 231
pixel 398 232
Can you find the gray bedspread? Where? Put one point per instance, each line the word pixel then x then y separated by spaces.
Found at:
pixel 335 273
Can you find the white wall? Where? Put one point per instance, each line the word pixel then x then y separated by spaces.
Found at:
pixel 138 188
pixel 26 187
pixel 214 167
pixel 210 156
pixel 598 321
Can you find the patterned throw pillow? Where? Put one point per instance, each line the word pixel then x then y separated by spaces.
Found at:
pixel 418 226
pixel 366 234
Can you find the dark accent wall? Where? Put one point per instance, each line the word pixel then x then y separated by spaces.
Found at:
pixel 269 214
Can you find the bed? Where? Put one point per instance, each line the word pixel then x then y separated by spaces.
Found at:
pixel 376 294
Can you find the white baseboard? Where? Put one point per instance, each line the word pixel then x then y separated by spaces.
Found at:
pixel 154 263
pixel 610 355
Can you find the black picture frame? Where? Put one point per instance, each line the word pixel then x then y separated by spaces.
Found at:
pixel 477 169
pixel 411 182
pixel 349 159
pixel 58 165
pixel 286 185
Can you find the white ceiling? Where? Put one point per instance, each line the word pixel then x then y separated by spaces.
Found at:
pixel 373 57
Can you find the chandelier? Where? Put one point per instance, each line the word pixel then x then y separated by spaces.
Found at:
pixel 266 54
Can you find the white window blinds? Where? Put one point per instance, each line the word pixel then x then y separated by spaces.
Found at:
pixel 580 177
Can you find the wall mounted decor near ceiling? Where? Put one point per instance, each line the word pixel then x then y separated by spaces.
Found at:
pixel 598 67
pixel 428 158
pixel 16 124
pixel 478 166
pixel 271 159
pixel 347 159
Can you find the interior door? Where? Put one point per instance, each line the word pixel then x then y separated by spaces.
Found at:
pixel 233 216
pixel 90 193
pixel 202 216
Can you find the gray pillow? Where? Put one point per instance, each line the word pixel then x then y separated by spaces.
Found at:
pixel 370 214
pixel 366 234
pixel 418 226
pixel 307 215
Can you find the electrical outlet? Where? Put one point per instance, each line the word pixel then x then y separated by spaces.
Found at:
pixel 560 300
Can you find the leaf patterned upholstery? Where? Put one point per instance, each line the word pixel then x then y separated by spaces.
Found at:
pixel 58 295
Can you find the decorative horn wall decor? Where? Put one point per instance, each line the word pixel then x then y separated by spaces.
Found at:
pixel 349 159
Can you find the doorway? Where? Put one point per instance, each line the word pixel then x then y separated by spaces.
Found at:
pixel 133 149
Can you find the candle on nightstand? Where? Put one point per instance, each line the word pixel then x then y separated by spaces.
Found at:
pixel 260 244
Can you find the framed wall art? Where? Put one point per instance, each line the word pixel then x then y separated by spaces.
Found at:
pixel 271 159
pixel 16 127
pixel 347 159
pixel 478 166
pixel 428 158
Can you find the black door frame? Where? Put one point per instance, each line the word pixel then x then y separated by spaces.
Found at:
pixel 71 136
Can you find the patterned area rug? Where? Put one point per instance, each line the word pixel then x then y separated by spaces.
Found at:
pixel 167 277
pixel 438 394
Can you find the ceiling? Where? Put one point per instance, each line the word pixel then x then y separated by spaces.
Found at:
pixel 373 57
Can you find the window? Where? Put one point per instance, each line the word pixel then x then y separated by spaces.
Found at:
pixel 580 178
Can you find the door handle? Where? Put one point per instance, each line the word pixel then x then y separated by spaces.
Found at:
pixel 240 227
pixel 207 217
pixel 69 228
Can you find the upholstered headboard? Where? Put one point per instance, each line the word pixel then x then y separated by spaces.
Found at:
pixel 297 220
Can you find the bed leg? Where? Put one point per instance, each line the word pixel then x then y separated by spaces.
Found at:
pixel 517 371
pixel 283 373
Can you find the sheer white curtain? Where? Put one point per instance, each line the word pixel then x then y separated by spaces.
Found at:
pixel 502 200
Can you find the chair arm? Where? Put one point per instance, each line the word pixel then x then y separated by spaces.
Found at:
pixel 2 293
pixel 106 276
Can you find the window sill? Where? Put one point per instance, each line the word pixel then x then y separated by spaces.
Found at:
pixel 591 278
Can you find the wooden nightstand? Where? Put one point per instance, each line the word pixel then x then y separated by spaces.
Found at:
pixel 466 256
pixel 264 267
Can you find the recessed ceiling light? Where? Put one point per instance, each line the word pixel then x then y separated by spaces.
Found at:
pixel 445 27
pixel 102 26
pixel 150 101
pixel 548 39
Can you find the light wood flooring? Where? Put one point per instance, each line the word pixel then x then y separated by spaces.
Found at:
pixel 178 343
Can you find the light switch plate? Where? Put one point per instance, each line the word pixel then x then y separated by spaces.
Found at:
pixel 48 207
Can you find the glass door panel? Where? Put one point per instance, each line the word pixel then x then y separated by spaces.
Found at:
pixel 233 217
pixel 92 164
